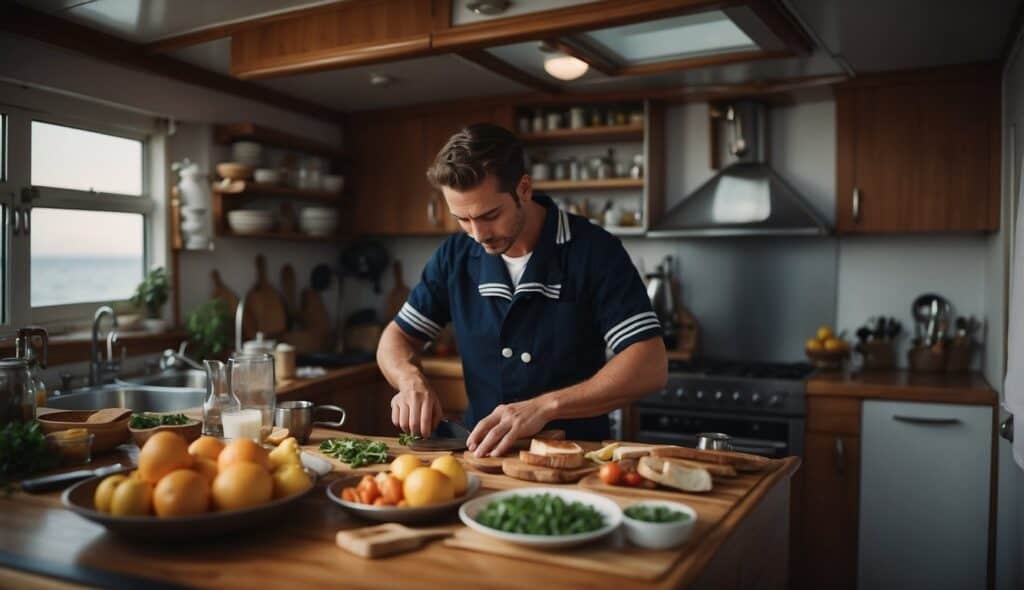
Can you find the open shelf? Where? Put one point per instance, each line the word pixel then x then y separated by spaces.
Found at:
pixel 621 230
pixel 251 189
pixel 229 133
pixel 579 185
pixel 286 236
pixel 598 134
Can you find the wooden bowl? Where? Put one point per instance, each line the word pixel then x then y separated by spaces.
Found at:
pixel 234 171
pixel 189 431
pixel 108 435
pixel 827 359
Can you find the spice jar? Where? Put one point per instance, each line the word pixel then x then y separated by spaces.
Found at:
pixel 73 445
pixel 577 118
pixel 554 120
pixel 538 121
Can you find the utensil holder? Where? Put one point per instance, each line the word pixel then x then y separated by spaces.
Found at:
pixel 925 359
pixel 958 355
pixel 878 354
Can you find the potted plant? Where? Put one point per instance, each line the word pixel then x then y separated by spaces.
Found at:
pixel 209 328
pixel 150 296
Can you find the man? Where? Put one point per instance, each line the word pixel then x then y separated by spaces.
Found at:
pixel 536 296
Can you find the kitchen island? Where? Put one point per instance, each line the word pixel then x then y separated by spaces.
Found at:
pixel 740 539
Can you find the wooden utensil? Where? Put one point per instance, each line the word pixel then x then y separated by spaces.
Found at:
pixel 513 467
pixel 315 317
pixel 265 302
pixel 399 293
pixel 386 539
pixel 222 292
pixel 108 415
pixel 288 290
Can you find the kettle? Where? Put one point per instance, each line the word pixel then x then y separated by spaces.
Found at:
pixel 659 291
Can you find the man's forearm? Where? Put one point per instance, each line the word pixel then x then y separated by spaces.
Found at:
pixel 396 357
pixel 635 372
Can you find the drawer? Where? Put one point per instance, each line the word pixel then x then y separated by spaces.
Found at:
pixel 834 414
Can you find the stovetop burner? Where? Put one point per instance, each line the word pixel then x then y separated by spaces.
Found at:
pixel 744 369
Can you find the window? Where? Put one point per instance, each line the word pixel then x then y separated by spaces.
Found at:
pixel 65 157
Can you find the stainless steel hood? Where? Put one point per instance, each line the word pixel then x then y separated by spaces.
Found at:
pixel 746 198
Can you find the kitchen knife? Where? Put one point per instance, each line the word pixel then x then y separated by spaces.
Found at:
pixel 49 483
pixel 448 436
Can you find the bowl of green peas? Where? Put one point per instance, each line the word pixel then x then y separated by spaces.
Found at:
pixel 658 524
pixel 542 517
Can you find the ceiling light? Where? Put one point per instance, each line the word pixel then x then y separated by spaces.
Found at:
pixel 565 67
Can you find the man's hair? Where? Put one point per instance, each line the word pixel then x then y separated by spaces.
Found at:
pixel 476 151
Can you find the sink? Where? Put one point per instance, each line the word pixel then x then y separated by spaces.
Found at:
pixel 191 379
pixel 138 398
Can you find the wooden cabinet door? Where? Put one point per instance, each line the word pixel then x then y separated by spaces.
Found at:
pixel 919 153
pixel 828 514
pixel 378 174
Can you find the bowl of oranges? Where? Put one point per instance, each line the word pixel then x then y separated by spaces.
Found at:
pixel 826 350
pixel 199 489
pixel 409 492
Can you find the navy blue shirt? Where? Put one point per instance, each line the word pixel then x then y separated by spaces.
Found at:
pixel 579 295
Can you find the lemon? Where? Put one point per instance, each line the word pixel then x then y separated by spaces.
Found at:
pixel 290 480
pixel 426 486
pixel 286 453
pixel 835 345
pixel 814 345
pixel 105 491
pixel 824 333
pixel 451 467
pixel 403 465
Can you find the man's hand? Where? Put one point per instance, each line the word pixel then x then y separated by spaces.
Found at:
pixel 508 423
pixel 416 409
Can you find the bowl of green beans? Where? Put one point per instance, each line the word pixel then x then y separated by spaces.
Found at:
pixel 658 524
pixel 542 517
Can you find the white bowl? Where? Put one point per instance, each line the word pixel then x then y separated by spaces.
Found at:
pixel 250 222
pixel 318 213
pixel 659 535
pixel 394 513
pixel 318 227
pixel 332 183
pixel 266 176
pixel 609 509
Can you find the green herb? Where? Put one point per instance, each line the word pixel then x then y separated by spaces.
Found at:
pixel 656 514
pixel 151 293
pixel 407 437
pixel 355 451
pixel 540 515
pixel 141 421
pixel 24 451
pixel 209 327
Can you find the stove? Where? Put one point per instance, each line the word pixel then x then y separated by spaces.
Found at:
pixel 760 405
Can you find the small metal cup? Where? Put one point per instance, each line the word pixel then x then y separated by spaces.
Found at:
pixel 297 417
pixel 714 441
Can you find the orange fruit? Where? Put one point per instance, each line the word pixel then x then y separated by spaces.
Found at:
pixel 243 450
pixel 180 493
pixel 206 446
pixel 205 467
pixel 105 491
pixel 814 345
pixel 824 333
pixel 425 486
pixel 835 345
pixel 133 497
pixel 451 467
pixel 163 453
pixel 403 465
pixel 241 485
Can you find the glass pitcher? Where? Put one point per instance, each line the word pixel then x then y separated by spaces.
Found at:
pixel 17 398
pixel 252 383
pixel 219 398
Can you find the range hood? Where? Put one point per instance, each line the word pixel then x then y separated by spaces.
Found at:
pixel 746 198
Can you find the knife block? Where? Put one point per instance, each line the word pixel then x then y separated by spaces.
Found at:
pixel 878 355
pixel 926 359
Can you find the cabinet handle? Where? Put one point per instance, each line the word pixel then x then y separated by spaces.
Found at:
pixel 15 220
pixel 26 221
pixel 927 421
pixel 840 453
pixel 856 205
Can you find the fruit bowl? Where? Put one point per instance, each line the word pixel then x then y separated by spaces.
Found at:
pixel 827 359
pixel 79 499
pixel 395 514
pixel 188 431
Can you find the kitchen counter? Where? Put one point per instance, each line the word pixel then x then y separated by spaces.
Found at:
pixel 965 388
pixel 741 539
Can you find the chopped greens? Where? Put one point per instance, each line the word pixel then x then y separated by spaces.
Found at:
pixel 141 421
pixel 407 437
pixel 655 514
pixel 540 515
pixel 354 451
pixel 24 451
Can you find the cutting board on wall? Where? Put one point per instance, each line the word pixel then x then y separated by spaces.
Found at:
pixel 266 304
pixel 399 294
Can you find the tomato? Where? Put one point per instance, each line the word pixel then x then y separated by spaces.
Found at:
pixel 633 479
pixel 611 474
pixel 368 490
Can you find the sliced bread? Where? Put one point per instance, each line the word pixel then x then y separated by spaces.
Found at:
pixel 674 476
pixel 547 447
pixel 630 452
pixel 557 461
pixel 740 461
pixel 713 468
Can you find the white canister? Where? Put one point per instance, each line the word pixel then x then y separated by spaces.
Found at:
pixel 284 361
pixel 540 171
pixel 577 118
pixel 554 120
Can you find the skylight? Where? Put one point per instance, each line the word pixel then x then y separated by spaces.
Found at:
pixel 680 37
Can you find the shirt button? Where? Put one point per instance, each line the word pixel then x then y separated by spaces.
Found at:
pixel 506 352
pixel 525 357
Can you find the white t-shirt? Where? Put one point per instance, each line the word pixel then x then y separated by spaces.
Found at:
pixel 516 266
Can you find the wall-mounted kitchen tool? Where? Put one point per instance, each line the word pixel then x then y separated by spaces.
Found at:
pixel 265 303
pixel 288 290
pixel 398 295
pixel 314 313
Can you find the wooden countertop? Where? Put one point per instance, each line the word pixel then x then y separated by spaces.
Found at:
pixel 41 537
pixel 967 388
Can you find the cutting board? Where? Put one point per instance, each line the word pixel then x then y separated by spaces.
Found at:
pixel 315 317
pixel 222 292
pixel 612 555
pixel 493 464
pixel 291 298
pixel 266 304
pixel 399 293
pixel 513 467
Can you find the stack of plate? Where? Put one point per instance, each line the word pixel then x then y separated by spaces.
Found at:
pixel 250 221
pixel 318 221
pixel 247 152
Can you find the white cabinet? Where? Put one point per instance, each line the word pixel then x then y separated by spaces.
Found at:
pixel 924 496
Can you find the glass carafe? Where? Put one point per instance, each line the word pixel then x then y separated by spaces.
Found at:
pixel 17 398
pixel 252 383
pixel 219 398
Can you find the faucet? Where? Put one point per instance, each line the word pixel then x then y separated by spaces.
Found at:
pixel 98 368
pixel 170 359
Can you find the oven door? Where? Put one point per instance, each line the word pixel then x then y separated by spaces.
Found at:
pixel 768 436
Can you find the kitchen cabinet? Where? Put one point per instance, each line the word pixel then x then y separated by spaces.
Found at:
pixel 919 151
pixel 924 495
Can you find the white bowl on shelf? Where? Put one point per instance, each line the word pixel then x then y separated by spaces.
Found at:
pixel 246 221
pixel 318 221
pixel 332 183
pixel 266 176
pixel 249 153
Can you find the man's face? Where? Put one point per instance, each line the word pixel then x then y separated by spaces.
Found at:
pixel 494 219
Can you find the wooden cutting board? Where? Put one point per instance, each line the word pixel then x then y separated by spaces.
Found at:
pixel 222 292
pixel 266 304
pixel 513 467
pixel 612 555
pixel 291 297
pixel 399 293
pixel 315 317
pixel 493 464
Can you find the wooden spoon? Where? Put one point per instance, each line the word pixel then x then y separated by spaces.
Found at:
pixel 107 415
pixel 386 539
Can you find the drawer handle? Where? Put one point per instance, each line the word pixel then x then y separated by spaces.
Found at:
pixel 840 453
pixel 926 421
pixel 856 205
